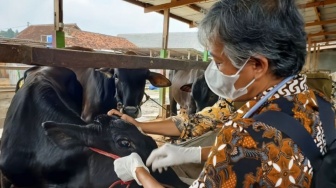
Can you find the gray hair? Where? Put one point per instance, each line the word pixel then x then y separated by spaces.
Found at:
pixel 248 28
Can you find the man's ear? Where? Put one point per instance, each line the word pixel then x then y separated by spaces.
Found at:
pixel 65 136
pixel 261 66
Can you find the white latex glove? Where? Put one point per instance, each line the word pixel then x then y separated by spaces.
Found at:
pixel 170 155
pixel 125 167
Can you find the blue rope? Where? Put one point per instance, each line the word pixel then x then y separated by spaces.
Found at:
pixel 267 96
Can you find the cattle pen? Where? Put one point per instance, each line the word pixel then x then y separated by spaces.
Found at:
pixel 16 58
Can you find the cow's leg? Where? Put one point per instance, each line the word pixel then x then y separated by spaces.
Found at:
pixel 192 107
pixel 173 103
pixel 173 107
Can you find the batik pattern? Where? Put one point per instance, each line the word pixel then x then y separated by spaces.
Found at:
pixel 208 119
pixel 248 154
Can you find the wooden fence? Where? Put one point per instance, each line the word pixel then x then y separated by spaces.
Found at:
pixel 30 55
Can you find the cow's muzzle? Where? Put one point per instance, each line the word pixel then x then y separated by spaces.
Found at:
pixel 133 111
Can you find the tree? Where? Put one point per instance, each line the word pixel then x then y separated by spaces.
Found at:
pixel 9 33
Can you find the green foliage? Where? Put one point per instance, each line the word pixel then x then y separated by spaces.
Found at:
pixel 9 33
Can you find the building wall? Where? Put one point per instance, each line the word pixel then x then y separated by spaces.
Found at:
pixel 327 60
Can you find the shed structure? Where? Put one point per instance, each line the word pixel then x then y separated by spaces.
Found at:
pixel 320 16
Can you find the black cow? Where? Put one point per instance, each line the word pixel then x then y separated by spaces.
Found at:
pixel 201 93
pixel 98 91
pixel 107 88
pixel 190 91
pixel 59 154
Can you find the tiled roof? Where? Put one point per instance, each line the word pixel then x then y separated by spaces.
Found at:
pixel 74 36
pixel 36 32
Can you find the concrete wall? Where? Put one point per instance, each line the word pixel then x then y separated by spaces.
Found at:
pixel 327 60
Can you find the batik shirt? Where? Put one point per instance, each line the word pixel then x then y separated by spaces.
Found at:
pixel 193 125
pixel 247 153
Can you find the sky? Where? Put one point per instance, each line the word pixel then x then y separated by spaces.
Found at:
pixel 109 17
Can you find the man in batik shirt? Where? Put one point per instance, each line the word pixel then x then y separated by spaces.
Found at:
pixel 258 49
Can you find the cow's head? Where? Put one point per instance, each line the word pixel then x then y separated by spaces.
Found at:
pixel 109 134
pixel 130 86
pixel 201 93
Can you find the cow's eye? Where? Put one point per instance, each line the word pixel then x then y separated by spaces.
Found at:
pixel 124 143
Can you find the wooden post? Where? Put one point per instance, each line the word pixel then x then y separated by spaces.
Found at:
pixel 314 59
pixel 166 111
pixel 308 54
pixel 168 55
pixel 317 57
pixel 59 36
pixel 163 54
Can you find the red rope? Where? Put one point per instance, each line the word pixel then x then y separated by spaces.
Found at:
pixel 110 155
pixel 128 183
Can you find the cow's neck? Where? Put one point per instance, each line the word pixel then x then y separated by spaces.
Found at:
pixel 112 156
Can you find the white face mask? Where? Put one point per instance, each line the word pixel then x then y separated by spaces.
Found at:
pixel 223 85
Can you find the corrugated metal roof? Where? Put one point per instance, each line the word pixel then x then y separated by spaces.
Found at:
pixel 320 16
pixel 175 40
pixel 181 45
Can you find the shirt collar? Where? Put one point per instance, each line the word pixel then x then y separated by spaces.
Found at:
pixel 297 85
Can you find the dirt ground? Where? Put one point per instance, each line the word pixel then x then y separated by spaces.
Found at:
pixel 151 110
pixel 6 95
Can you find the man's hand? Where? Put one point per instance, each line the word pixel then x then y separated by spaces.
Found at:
pixel 170 155
pixel 123 116
pixel 125 167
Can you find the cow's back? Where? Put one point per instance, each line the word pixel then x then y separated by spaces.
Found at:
pixel 98 92
pixel 48 94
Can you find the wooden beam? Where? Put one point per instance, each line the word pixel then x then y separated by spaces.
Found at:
pixel 322 33
pixel 139 3
pixel 324 22
pixel 144 5
pixel 326 40
pixel 318 16
pixel 316 4
pixel 190 23
pixel 197 8
pixel 11 53
pixel 170 5
pixel 12 67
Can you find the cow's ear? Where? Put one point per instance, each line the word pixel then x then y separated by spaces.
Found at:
pixel 158 80
pixel 186 88
pixel 66 136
